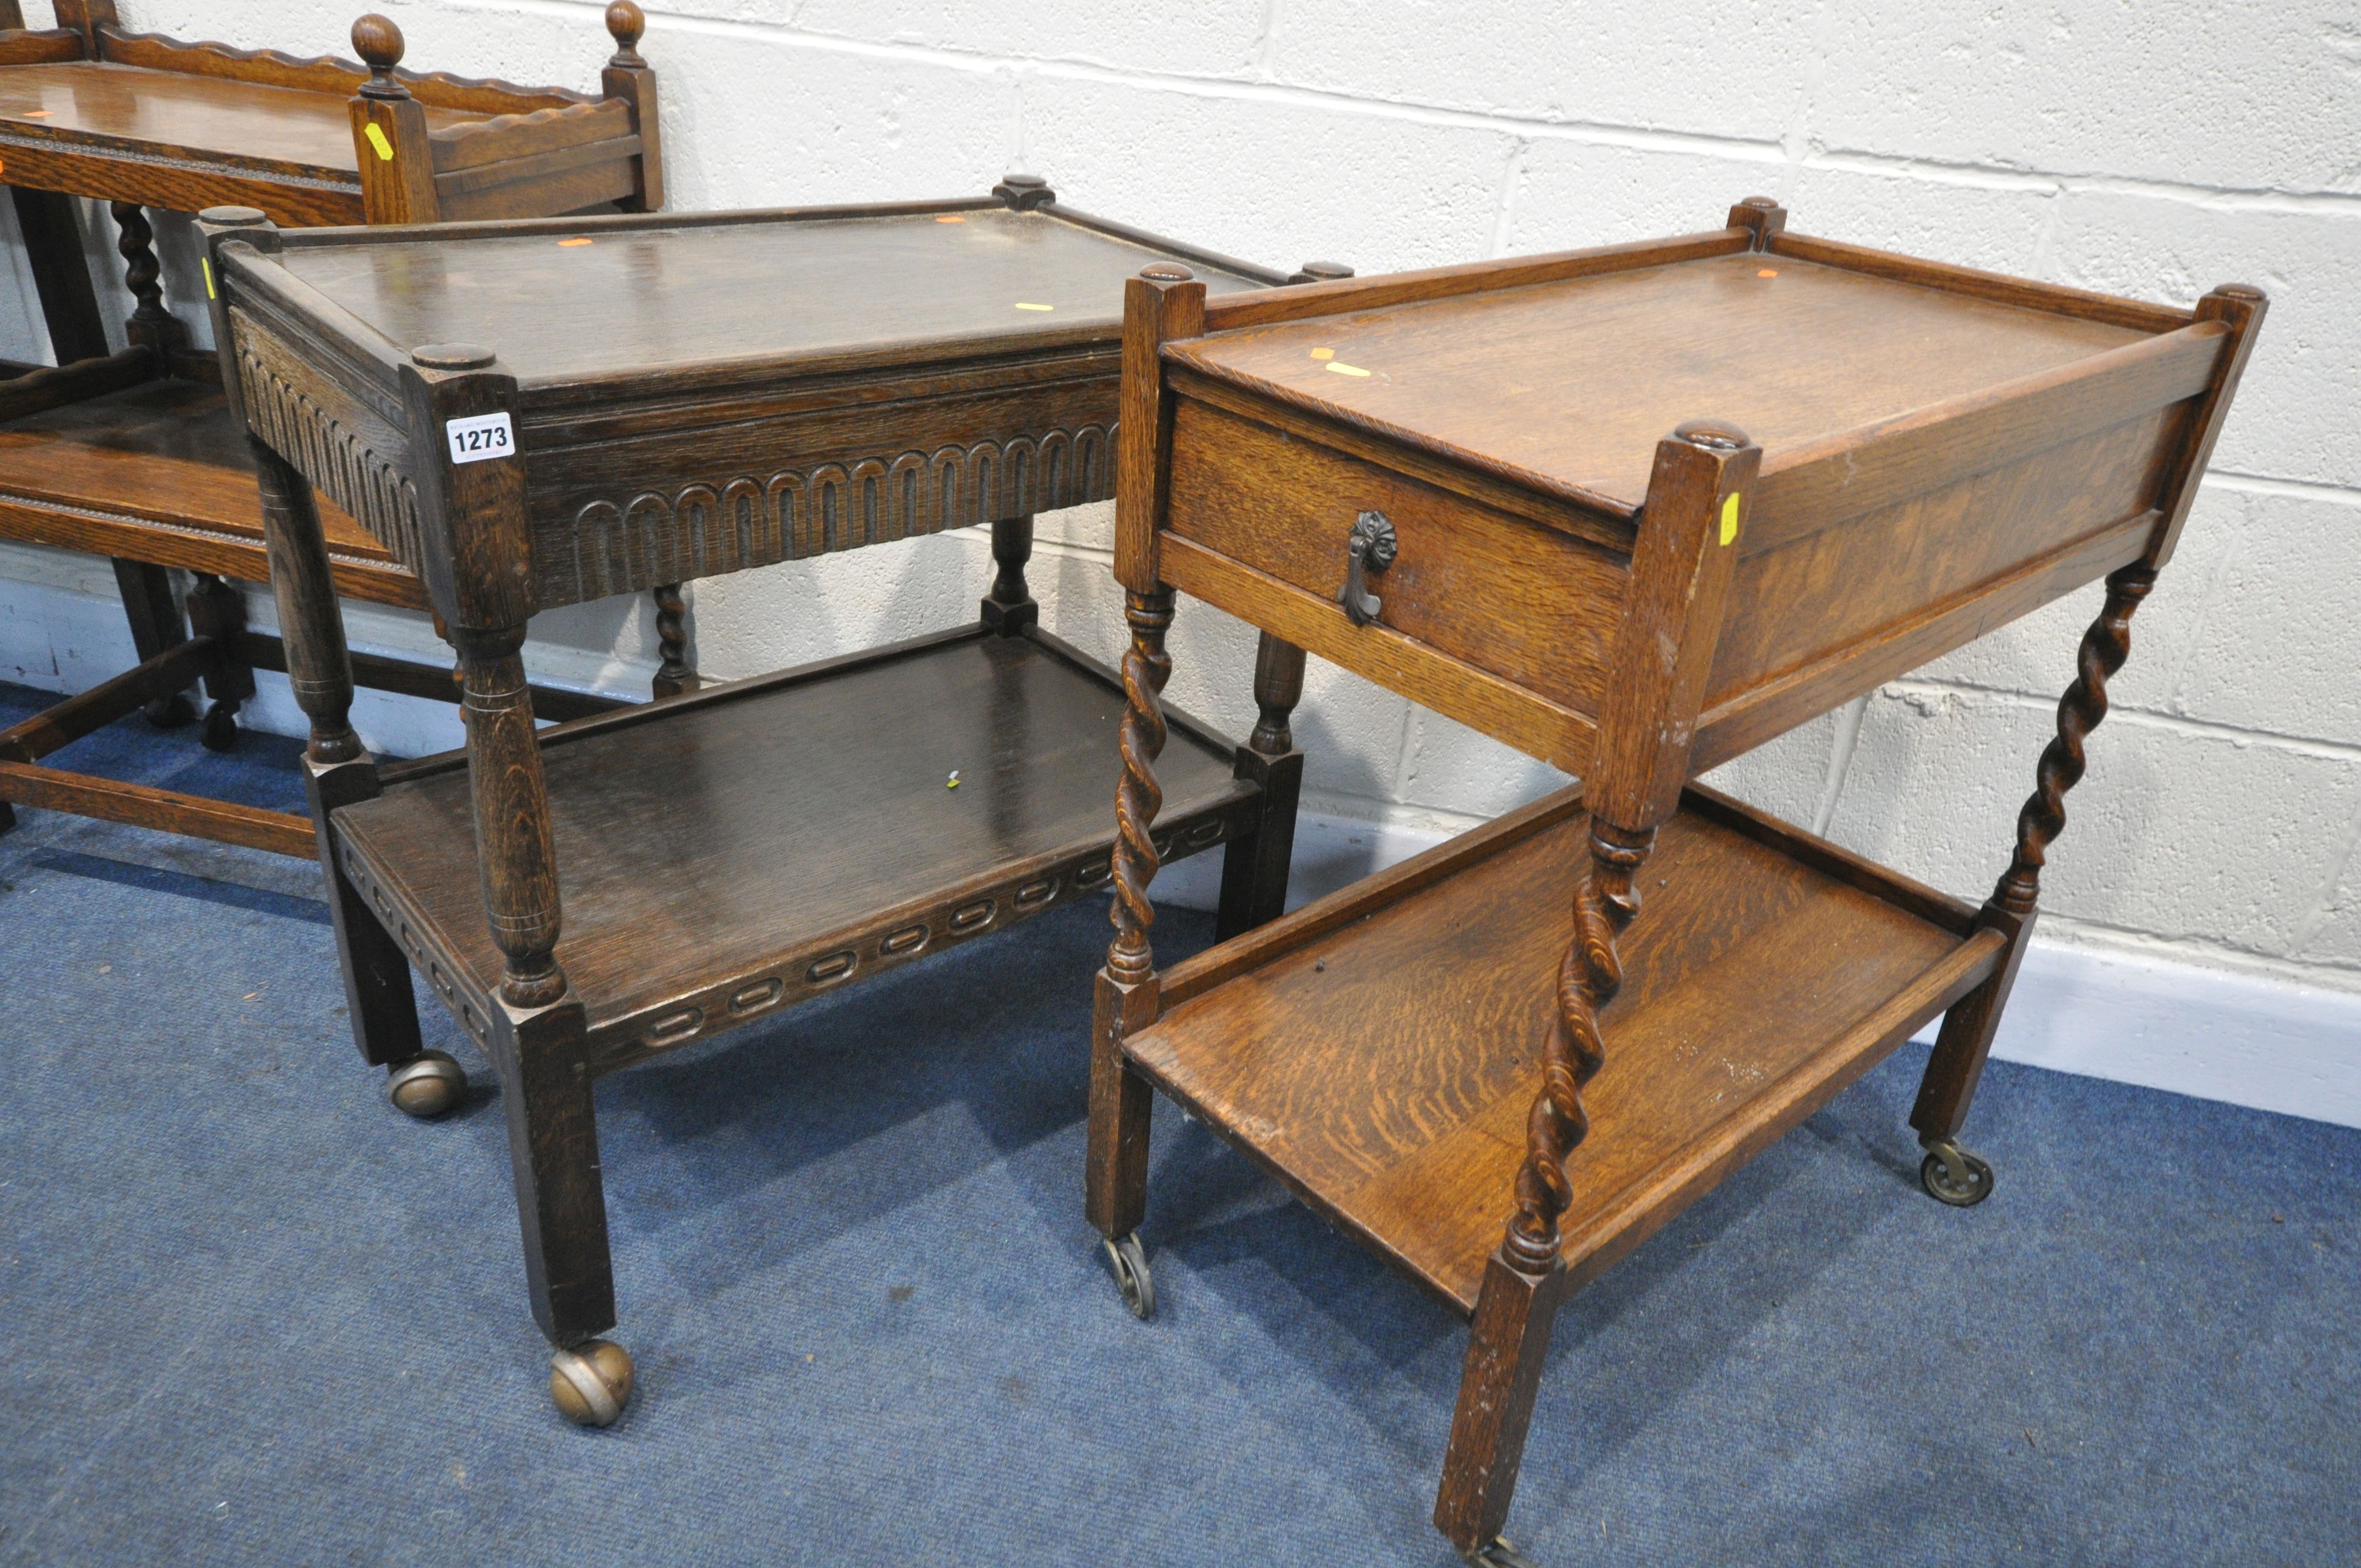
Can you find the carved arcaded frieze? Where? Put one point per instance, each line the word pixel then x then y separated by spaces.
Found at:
pixel 702 530
pixel 340 459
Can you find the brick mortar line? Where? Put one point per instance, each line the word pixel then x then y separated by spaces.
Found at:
pixel 2139 717
pixel 2099 935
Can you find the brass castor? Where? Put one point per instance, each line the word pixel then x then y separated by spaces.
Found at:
pixel 591 1383
pixel 1129 1260
pixel 219 733
pixel 1498 1553
pixel 426 1085
pixel 1952 1175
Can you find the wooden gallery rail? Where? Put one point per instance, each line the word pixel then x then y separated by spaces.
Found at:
pixel 604 890
pixel 1632 511
pixel 132 453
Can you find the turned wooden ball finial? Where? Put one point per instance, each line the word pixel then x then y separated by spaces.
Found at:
pixel 625 23
pixel 378 43
pixel 1715 435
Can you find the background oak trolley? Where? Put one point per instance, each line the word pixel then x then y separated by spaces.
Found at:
pixel 1451 482
pixel 534 414
pixel 133 454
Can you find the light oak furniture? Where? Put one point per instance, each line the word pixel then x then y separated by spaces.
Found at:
pixel 1457 484
pixel 132 453
pixel 532 414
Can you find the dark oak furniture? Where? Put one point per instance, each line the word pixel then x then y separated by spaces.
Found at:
pixel 1452 482
pixel 533 414
pixel 133 454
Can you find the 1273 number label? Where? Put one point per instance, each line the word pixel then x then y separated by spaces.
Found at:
pixel 481 438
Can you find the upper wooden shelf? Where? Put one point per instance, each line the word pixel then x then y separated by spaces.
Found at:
pixel 1789 349
pixel 1940 450
pixel 699 394
pixel 625 302
pixel 91 109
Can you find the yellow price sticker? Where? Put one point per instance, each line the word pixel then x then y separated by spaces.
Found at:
pixel 207 263
pixel 1729 518
pixel 375 135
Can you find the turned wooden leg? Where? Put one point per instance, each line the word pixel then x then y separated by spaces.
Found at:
pixel 1009 608
pixel 1115 1172
pixel 676 675
pixel 1524 1282
pixel 514 843
pixel 216 610
pixel 152 326
pixel 150 605
pixel 338 769
pixel 1951 1172
pixel 1253 869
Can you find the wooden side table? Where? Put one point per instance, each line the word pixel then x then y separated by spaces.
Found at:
pixel 532 414
pixel 133 454
pixel 1453 483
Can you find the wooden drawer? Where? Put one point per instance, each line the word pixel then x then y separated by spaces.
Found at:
pixel 1514 598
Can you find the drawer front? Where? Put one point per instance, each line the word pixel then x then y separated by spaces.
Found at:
pixel 1513 597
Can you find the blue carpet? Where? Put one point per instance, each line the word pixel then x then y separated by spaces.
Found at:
pixel 253 1315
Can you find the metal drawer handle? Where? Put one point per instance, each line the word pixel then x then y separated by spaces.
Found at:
pixel 1368 550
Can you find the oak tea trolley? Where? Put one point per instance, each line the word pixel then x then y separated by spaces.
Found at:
pixel 534 414
pixel 1460 485
pixel 132 452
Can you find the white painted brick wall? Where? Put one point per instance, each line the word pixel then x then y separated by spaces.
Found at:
pixel 2153 149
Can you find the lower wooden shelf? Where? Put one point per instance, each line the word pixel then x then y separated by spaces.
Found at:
pixel 723 854
pixel 159 472
pixel 1378 1051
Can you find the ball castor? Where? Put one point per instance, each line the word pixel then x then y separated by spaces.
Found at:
pixel 1129 1262
pixel 1952 1175
pixel 220 731
pixel 426 1085
pixel 591 1382
pixel 169 712
pixel 1498 1553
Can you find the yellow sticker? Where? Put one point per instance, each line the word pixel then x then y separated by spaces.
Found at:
pixel 950 218
pixel 1323 354
pixel 375 135
pixel 1768 272
pixel 1022 305
pixel 207 263
pixel 36 114
pixel 570 244
pixel 1729 518
pixel 1342 368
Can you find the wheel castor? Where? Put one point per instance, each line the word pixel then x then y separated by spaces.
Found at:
pixel 220 731
pixel 1952 1175
pixel 426 1085
pixel 591 1383
pixel 1129 1262
pixel 1498 1553
pixel 169 712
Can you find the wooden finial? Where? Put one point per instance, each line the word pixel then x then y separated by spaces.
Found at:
pixel 378 43
pixel 1023 192
pixel 1714 434
pixel 1760 213
pixel 1319 272
pixel 625 23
